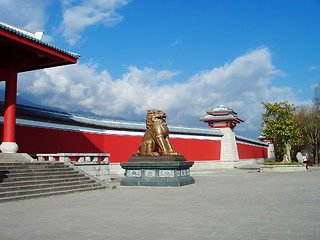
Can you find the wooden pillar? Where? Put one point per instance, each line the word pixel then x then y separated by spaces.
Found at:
pixel 9 145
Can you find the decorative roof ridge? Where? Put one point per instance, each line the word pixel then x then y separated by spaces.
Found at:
pixel 25 31
pixel 31 36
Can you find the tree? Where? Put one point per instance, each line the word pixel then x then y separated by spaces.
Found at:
pixel 316 99
pixel 280 126
pixel 309 123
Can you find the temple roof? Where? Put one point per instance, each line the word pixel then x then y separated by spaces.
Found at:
pixel 221 110
pixel 221 114
pixel 28 52
pixel 218 118
pixel 37 34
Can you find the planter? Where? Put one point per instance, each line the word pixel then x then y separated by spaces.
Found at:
pixel 283 168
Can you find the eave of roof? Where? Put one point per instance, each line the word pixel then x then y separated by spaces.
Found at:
pixel 220 118
pixel 220 112
pixel 7 32
pixel 235 120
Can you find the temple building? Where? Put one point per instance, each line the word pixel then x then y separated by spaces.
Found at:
pixel 23 51
pixel 40 131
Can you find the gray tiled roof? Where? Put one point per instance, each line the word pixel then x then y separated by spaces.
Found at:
pixel 250 140
pixel 219 117
pixel 220 110
pixel 104 123
pixel 20 33
pixel 221 113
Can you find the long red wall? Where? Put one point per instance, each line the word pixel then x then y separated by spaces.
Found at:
pixel 247 151
pixel 33 140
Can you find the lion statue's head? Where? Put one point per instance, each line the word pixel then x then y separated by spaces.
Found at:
pixel 154 117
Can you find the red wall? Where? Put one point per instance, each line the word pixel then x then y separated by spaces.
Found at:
pixel 246 151
pixel 43 140
pixel 197 150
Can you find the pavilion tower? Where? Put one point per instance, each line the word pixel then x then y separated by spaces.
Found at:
pixel 225 119
pixel 221 117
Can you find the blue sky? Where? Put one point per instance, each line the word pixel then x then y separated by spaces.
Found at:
pixel 183 57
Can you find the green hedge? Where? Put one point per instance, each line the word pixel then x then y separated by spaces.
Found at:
pixel 280 163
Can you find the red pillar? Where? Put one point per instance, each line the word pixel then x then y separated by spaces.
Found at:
pixel 9 145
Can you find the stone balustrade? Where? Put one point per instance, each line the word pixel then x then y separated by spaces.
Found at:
pixel 74 157
pixel 94 164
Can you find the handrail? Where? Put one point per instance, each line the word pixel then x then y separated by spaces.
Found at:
pixel 83 158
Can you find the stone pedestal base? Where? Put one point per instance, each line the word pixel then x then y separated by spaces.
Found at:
pixel 9 147
pixel 172 158
pixel 161 174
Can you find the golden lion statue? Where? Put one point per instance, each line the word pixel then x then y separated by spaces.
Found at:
pixel 156 136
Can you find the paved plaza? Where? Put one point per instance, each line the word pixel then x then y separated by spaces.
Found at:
pixel 222 204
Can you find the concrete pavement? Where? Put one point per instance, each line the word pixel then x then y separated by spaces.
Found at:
pixel 222 204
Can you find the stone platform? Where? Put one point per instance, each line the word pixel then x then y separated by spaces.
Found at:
pixel 161 173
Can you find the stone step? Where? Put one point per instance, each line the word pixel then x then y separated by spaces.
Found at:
pixel 31 172
pixel 26 177
pixel 32 165
pixel 15 157
pixel 48 194
pixel 26 170
pixel 45 181
pixel 37 185
pixel 46 190
pixel 22 180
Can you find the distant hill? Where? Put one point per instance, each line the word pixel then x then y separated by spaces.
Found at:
pixel 22 101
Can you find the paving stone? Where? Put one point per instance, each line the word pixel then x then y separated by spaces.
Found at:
pixel 222 204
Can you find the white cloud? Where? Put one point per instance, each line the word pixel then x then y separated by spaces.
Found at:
pixel 241 84
pixel 176 42
pixel 30 14
pixel 314 68
pixel 77 17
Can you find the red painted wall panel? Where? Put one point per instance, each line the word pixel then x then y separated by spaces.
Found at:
pixel 247 151
pixel 43 140
pixel 196 149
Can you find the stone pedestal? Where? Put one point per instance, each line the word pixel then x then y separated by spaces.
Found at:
pixel 161 171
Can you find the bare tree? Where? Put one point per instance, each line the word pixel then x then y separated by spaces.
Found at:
pixel 309 122
pixel 316 99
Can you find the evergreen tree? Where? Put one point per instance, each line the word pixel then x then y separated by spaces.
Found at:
pixel 280 126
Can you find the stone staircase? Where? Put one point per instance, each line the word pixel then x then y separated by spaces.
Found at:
pixel 26 180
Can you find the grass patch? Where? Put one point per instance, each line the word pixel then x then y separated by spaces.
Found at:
pixel 280 163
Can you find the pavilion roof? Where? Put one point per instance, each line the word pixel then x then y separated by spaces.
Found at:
pixel 219 118
pixel 18 44
pixel 221 110
pixel 220 114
